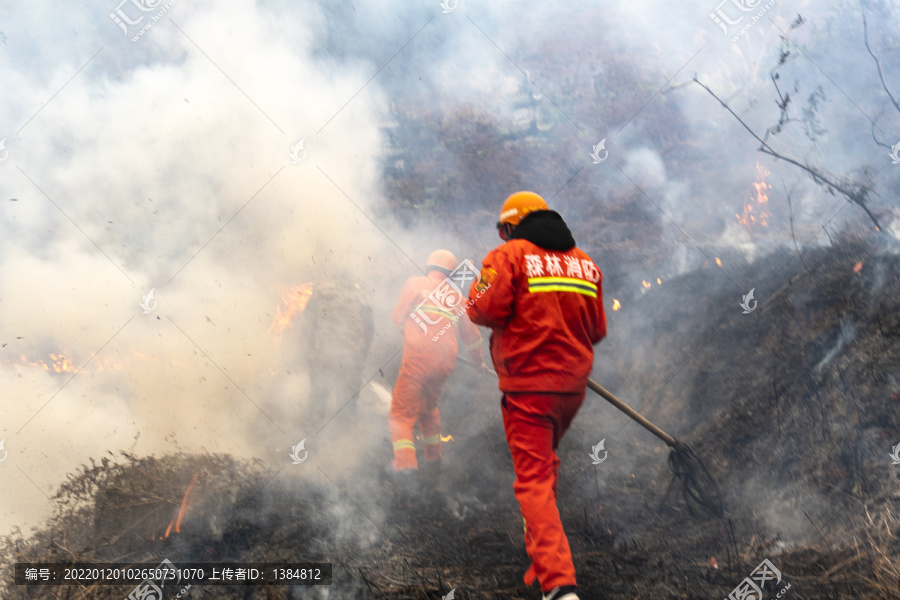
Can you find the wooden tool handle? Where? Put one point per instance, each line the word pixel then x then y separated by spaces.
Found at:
pixel 608 396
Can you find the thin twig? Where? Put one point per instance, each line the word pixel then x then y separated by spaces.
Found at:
pixel 877 63
pixel 791 215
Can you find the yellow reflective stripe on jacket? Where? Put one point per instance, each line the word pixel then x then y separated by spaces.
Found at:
pixel 401 444
pixel 562 284
pixel 473 345
pixel 438 311
pixel 431 440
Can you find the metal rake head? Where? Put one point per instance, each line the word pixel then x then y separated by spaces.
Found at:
pixel 701 492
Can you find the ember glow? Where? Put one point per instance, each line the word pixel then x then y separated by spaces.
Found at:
pixel 616 305
pixel 646 284
pixel 447 438
pixel 718 261
pixel 293 302
pixel 756 207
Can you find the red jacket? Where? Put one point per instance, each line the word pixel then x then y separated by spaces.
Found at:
pixel 544 302
pixel 429 311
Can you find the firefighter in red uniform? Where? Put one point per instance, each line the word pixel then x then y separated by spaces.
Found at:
pixel 542 298
pixel 430 308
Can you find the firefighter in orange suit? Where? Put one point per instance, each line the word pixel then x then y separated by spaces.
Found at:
pixel 542 298
pixel 430 309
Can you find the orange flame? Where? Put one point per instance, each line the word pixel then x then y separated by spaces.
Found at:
pixel 616 305
pixel 646 284
pixel 447 438
pixel 756 207
pixel 62 363
pixel 293 302
pixel 658 281
pixel 57 363
pixel 182 510
pixel 718 261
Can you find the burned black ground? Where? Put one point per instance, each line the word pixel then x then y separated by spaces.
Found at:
pixel 793 407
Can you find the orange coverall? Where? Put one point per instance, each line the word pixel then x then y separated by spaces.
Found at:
pixel 428 312
pixel 545 309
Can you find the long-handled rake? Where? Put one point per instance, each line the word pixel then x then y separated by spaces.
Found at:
pixel 698 487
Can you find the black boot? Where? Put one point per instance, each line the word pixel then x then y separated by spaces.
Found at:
pixel 406 486
pixel 430 478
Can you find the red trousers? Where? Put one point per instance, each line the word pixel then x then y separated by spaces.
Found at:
pixel 534 424
pixel 419 386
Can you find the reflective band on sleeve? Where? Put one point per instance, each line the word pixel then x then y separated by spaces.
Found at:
pixel 428 308
pixel 401 444
pixel 562 284
pixel 431 440
pixel 473 345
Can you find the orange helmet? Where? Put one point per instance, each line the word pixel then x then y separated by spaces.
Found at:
pixel 442 259
pixel 518 206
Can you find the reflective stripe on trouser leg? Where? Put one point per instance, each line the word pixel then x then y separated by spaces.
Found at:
pixel 430 418
pixel 404 455
pixel 402 420
pixel 433 451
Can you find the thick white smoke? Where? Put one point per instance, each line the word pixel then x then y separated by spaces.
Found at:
pixel 165 165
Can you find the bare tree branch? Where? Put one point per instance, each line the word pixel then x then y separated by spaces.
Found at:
pixel 877 63
pixel 854 192
pixel 882 144
pixel 791 215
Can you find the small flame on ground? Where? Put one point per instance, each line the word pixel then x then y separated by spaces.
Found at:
pixel 61 363
pixel 646 284
pixel 58 363
pixel 658 281
pixel 755 208
pixel 718 261
pixel 616 305
pixel 182 510
pixel 293 302
pixel 447 438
